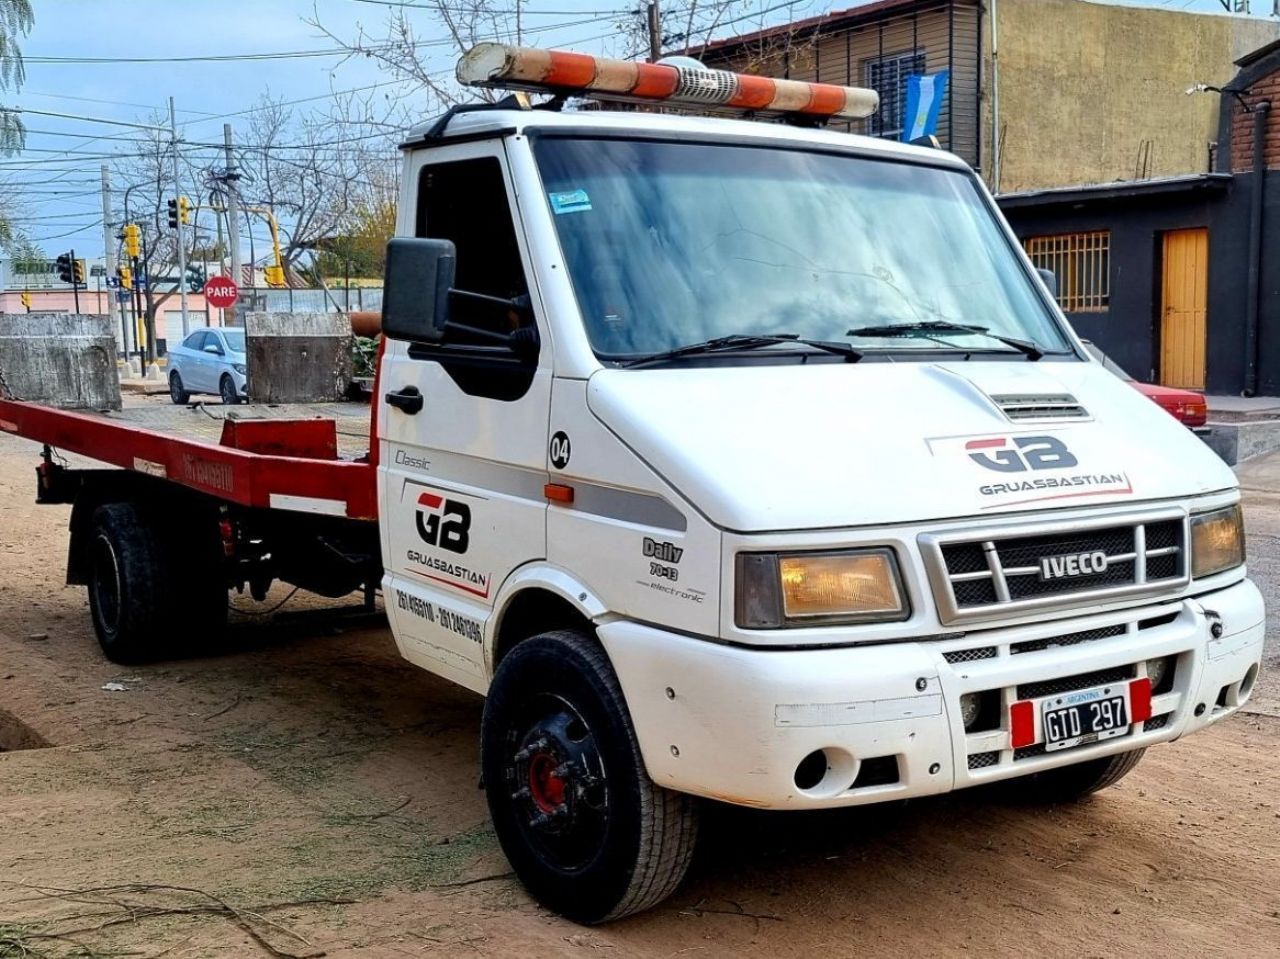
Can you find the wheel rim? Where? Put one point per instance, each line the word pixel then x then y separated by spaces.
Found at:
pixel 175 386
pixel 228 391
pixel 557 781
pixel 106 585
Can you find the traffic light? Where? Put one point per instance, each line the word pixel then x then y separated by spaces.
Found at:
pixel 78 272
pixel 65 272
pixel 26 300
pixel 132 239
pixel 173 214
pixel 184 210
pixel 274 275
pixel 126 278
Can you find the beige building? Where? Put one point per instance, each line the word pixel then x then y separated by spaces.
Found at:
pixel 1042 93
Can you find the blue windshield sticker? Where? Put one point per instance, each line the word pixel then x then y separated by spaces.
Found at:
pixel 574 201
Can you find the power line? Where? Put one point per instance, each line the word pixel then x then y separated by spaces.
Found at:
pixel 500 12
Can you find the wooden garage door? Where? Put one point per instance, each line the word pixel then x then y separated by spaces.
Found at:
pixel 1182 329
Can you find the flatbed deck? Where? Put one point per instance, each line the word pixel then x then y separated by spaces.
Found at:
pixel 305 458
pixel 203 422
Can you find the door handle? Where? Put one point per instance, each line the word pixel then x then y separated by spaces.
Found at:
pixel 408 399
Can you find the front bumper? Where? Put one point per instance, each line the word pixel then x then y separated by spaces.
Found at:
pixel 733 724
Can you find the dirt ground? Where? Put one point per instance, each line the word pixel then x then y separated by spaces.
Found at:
pixel 310 793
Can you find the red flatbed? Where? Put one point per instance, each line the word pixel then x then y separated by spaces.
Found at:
pixel 313 459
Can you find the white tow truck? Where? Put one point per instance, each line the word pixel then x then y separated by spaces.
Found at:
pixel 729 460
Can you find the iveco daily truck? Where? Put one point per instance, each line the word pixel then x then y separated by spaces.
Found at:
pixel 730 460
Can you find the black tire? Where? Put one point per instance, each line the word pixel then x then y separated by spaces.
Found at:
pixel 150 595
pixel 177 393
pixel 587 831
pixel 1072 783
pixel 227 390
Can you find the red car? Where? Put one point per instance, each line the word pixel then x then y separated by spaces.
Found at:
pixel 1186 406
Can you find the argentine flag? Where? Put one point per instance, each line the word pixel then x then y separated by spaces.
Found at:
pixel 924 103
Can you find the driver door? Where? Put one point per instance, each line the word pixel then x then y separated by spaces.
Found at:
pixel 462 479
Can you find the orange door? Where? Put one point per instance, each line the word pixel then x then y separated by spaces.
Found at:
pixel 1182 328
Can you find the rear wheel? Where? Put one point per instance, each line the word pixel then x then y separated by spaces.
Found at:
pixel 587 831
pixel 178 392
pixel 1070 783
pixel 149 598
pixel 227 389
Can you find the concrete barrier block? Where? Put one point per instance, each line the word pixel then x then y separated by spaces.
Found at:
pixel 64 360
pixel 298 357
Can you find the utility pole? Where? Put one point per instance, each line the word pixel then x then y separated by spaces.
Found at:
pixel 181 235
pixel 148 317
pixel 655 32
pixel 108 244
pixel 233 217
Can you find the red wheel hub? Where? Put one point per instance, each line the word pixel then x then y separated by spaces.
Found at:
pixel 545 786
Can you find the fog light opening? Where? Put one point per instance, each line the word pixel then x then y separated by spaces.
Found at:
pixel 1161 673
pixel 812 770
pixel 826 772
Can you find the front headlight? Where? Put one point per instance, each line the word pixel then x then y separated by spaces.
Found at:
pixel 240 368
pixel 801 589
pixel 1217 541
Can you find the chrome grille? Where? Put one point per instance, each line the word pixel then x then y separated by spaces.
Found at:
pixel 981 574
pixel 1028 406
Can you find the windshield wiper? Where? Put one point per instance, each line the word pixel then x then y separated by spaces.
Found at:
pixel 1032 351
pixel 744 341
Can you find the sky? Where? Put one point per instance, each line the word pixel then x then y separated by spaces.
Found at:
pixel 57 175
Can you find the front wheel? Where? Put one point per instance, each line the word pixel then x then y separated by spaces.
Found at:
pixel 177 392
pixel 587 831
pixel 1071 783
pixel 227 389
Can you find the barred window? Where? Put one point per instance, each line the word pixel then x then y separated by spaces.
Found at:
pixel 1082 264
pixel 888 77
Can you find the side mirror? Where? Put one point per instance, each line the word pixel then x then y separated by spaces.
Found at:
pixel 213 348
pixel 415 300
pixel 1050 281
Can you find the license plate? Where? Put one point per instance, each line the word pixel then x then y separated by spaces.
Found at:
pixel 1084 716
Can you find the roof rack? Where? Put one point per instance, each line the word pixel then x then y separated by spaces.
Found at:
pixel 563 73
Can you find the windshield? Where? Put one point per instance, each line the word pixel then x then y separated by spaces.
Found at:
pixel 235 340
pixel 669 244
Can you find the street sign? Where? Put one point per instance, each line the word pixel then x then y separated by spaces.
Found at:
pixel 123 296
pixel 221 292
pixel 113 282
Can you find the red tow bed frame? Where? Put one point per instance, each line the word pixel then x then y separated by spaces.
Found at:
pixel 270 463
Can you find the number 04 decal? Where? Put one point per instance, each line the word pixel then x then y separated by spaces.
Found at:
pixel 445 523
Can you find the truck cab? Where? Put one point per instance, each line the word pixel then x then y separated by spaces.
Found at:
pixel 755 462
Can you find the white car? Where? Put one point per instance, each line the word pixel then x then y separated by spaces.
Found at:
pixel 210 360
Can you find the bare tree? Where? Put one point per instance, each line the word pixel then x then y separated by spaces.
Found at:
pixel 314 171
pixel 400 49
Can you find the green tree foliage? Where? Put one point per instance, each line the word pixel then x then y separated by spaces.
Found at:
pixel 360 253
pixel 16 19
